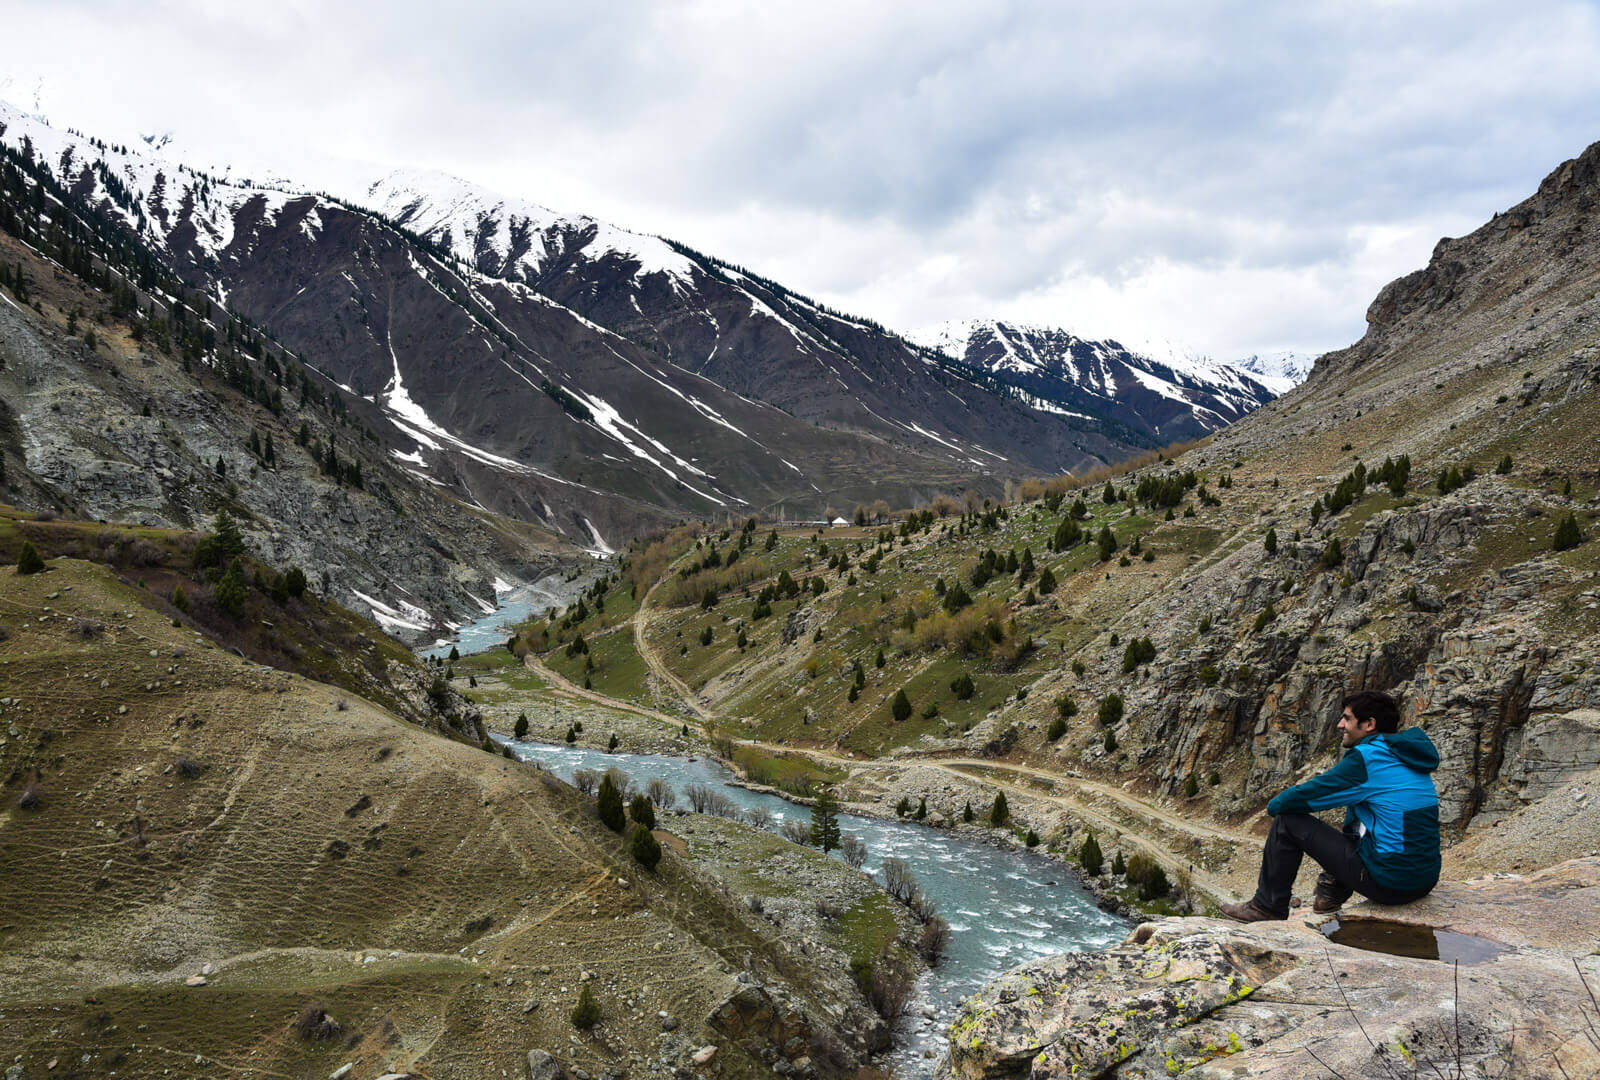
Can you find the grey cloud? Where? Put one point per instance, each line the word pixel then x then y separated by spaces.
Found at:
pixel 912 161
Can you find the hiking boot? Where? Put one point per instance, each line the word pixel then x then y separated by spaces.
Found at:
pixel 1325 905
pixel 1247 912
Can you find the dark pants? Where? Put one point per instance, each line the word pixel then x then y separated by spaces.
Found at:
pixel 1296 835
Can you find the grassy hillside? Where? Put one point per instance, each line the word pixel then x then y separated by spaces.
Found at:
pixel 173 810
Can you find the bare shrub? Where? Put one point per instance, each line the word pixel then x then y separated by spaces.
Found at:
pixel 314 1024
pixel 699 797
pixel 924 908
pixel 934 941
pixel 32 798
pixel 756 904
pixel 759 816
pixel 188 768
pixel 898 880
pixel 890 991
pixel 87 629
pixel 796 832
pixel 143 553
pixel 340 705
pixel 854 850
pixel 827 909
pixel 722 806
pixel 586 781
pixel 661 793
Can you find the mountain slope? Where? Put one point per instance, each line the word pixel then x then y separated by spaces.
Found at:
pixel 197 855
pixel 1166 395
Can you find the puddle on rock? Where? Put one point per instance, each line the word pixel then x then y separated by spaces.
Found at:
pixel 1417 942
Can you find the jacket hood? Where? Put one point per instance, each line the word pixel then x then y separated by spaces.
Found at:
pixel 1413 748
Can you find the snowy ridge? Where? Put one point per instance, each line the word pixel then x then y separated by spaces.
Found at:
pixel 522 237
pixel 1056 371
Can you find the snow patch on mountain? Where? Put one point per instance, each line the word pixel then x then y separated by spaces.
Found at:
pixel 467 219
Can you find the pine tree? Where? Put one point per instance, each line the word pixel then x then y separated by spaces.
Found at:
pixel 646 848
pixel 879 660
pixel 900 708
pixel 999 812
pixel 232 592
pixel 642 810
pixel 1107 543
pixel 1047 582
pixel 966 812
pixel 608 804
pixel 922 809
pixel 1118 867
pixel 825 821
pixel 1110 741
pixel 1272 541
pixel 180 599
pixel 1191 787
pixel 1090 856
pixel 28 560
pixel 1568 534
pixel 521 730
pixel 1108 496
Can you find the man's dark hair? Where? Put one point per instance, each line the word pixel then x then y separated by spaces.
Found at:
pixel 1374 705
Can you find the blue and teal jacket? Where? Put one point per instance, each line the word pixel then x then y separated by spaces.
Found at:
pixel 1385 781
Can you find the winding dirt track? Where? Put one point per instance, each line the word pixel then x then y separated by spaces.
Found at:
pixel 1069 793
pixel 641 644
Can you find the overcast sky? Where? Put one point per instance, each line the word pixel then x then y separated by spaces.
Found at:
pixel 1236 177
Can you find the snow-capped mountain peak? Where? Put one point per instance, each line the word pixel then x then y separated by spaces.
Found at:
pixel 509 237
pixel 1181 393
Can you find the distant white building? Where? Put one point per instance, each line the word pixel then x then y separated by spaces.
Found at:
pixel 838 521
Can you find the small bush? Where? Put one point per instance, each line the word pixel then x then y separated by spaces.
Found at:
pixel 1266 616
pixel 1058 728
pixel 963 687
pixel 315 1025
pixel 642 811
pixel 586 1014
pixel 1032 839
pixel 646 848
pixel 1111 709
pixel 28 560
pixel 188 768
pixel 1191 787
pixel 1146 873
pixel 1110 741
pixel 32 798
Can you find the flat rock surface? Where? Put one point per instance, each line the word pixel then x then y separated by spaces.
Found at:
pixel 1204 998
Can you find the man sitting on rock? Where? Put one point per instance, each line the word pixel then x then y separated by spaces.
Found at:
pixel 1389 849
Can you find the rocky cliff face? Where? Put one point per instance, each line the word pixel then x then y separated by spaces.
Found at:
pixel 1195 997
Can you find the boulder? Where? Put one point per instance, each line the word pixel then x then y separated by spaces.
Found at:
pixel 541 1066
pixel 1207 998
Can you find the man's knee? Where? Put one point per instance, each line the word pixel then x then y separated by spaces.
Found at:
pixel 1293 825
